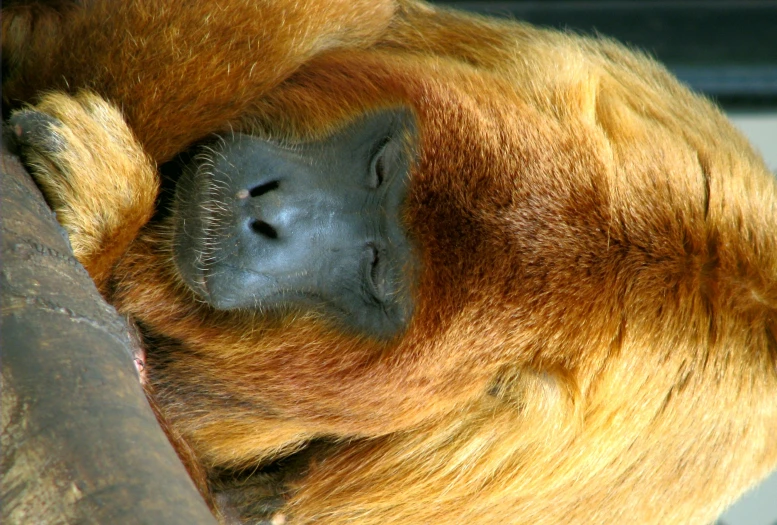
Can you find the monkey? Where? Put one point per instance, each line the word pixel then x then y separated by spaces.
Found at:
pixel 394 263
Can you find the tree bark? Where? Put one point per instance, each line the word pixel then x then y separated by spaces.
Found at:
pixel 79 442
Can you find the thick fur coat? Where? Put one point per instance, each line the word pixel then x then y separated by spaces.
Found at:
pixel 595 328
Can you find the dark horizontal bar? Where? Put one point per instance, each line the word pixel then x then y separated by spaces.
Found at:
pixel 726 49
pixel 757 81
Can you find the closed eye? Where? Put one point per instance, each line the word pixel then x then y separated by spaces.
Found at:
pixel 378 167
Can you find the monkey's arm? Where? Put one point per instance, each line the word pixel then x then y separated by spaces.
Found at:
pixel 93 172
pixel 201 66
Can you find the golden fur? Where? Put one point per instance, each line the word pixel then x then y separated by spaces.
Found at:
pixel 595 326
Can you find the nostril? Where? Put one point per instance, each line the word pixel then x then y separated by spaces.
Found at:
pixel 264 229
pixel 264 188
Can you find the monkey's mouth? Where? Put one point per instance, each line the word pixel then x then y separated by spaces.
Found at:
pixel 195 225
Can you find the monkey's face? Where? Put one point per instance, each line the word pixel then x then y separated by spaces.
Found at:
pixel 433 202
pixel 316 225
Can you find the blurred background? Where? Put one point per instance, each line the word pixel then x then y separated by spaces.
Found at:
pixel 726 49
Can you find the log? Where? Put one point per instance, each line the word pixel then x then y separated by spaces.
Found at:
pixel 80 443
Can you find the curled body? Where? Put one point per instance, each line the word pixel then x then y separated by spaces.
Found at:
pixel 410 265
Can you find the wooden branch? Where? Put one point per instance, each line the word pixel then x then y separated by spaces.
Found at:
pixel 79 441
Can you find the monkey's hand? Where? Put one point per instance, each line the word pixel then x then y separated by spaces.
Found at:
pixel 92 171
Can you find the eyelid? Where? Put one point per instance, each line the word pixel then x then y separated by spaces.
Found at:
pixel 378 169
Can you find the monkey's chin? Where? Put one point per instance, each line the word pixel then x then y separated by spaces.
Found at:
pixel 194 278
pixel 190 222
pixel 198 214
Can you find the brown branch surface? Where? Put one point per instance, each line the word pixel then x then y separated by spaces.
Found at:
pixel 79 441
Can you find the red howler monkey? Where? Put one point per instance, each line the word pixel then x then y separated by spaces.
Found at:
pixel 411 265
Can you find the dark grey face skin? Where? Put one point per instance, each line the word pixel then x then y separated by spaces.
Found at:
pixel 315 225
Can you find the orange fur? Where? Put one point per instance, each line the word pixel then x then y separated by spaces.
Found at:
pixel 594 334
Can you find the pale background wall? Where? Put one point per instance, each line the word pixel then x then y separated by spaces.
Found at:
pixel 759 506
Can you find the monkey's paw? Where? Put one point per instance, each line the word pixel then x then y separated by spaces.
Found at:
pixel 91 169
